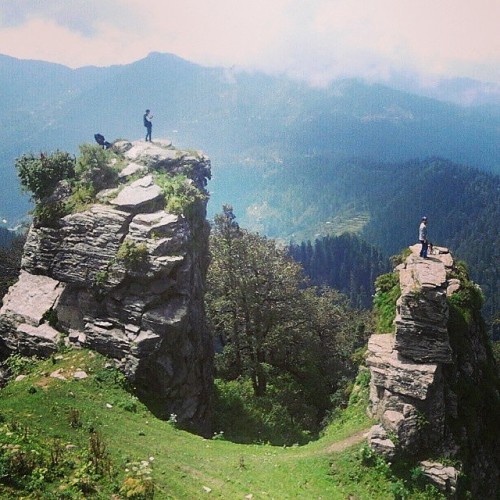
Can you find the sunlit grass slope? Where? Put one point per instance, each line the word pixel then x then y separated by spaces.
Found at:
pixel 90 438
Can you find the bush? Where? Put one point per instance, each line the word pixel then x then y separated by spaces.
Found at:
pixel 93 168
pixel 243 418
pixel 180 193
pixel 20 365
pixel 41 174
pixel 47 213
pixel 132 253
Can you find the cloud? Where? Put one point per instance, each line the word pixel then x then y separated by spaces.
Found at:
pixel 80 16
pixel 315 40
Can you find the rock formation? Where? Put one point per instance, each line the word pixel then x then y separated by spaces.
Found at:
pixel 434 388
pixel 125 278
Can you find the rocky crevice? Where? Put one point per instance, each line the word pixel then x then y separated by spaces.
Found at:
pixel 144 309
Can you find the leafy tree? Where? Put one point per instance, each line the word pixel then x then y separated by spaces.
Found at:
pixel 287 338
pixel 254 297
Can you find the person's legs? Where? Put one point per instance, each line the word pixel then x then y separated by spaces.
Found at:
pixel 423 250
pixel 148 135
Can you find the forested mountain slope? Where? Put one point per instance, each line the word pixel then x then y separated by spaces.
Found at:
pixel 346 263
pixel 238 118
pixel 309 198
pixel 295 162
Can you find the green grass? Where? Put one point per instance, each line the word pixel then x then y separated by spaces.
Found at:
pixel 52 422
pixel 384 302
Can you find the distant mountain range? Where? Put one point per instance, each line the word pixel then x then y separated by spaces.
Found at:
pixel 295 162
pixel 237 118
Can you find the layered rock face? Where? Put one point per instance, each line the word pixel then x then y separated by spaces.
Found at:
pixel 125 278
pixel 418 376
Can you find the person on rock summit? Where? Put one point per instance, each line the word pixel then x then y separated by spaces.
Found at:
pixel 422 237
pixel 148 117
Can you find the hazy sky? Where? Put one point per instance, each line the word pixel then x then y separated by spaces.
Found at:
pixel 311 39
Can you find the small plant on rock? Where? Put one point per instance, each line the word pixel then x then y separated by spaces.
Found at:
pixel 132 253
pixel 384 302
pixel 180 193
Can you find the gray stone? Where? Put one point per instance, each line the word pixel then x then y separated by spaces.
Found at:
pixel 132 169
pixel 122 146
pixel 143 195
pixel 30 298
pixel 379 441
pixel 152 154
pixel 58 374
pixel 444 477
pixel 85 245
pixel 27 339
pixel 453 287
pixel 146 343
pixel 395 373
pixel 158 225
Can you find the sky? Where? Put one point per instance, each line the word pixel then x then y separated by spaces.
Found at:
pixel 313 40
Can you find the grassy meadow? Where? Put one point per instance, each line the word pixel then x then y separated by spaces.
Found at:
pixel 91 438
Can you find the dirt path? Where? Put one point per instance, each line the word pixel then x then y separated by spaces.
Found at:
pixel 347 442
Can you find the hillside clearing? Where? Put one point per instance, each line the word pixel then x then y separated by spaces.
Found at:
pixel 66 415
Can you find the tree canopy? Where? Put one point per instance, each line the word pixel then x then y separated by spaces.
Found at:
pixel 272 327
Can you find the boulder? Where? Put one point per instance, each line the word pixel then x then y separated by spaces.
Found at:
pixel 379 442
pixel 84 246
pixel 151 154
pixel 132 169
pixel 444 477
pixel 143 195
pixel 31 298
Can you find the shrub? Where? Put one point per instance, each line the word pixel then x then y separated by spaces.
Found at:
pixel 93 168
pixel 98 454
pixel 180 193
pixel 48 212
pixel 243 418
pixel 93 173
pixel 138 485
pixel 41 174
pixel 18 364
pixel 101 277
pixel 132 253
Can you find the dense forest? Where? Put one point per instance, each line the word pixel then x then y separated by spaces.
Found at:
pixel 312 197
pixel 346 263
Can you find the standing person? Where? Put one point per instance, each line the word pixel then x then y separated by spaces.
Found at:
pixel 148 117
pixel 422 237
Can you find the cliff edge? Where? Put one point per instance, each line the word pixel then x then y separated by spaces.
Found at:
pixel 434 387
pixel 125 277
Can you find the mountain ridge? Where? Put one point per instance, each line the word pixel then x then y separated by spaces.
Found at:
pixel 231 114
